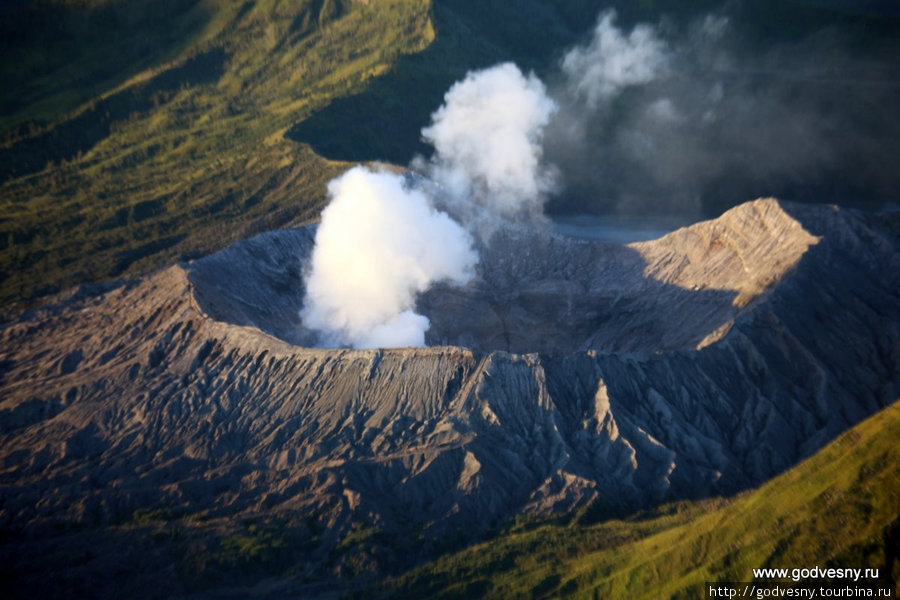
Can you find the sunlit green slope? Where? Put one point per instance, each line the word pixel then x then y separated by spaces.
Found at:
pixel 189 153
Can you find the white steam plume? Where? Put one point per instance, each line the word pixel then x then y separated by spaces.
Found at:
pixel 381 242
pixel 488 144
pixel 378 245
pixel 613 61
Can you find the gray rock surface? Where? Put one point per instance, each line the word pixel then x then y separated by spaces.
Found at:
pixel 700 363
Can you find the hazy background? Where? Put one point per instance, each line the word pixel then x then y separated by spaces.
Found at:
pixel 717 111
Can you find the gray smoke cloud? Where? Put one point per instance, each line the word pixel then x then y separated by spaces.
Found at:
pixel 382 240
pixel 693 119
pixel 613 60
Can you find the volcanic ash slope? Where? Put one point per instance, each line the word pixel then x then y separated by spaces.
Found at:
pixel 703 362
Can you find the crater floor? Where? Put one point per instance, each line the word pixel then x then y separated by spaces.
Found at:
pixel 537 290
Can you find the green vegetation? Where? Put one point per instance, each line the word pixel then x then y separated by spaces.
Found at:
pixel 57 55
pixel 232 551
pixel 189 154
pixel 229 550
pixel 143 516
pixel 840 508
pixel 258 546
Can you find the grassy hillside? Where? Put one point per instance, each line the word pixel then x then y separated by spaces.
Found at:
pixel 188 154
pixel 840 508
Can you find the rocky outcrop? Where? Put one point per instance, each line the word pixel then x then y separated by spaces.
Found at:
pixel 700 363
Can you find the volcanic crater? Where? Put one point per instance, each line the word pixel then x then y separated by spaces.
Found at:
pixel 566 372
pixel 536 291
